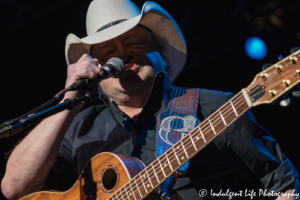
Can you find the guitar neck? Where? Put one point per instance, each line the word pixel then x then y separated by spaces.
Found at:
pixel 164 166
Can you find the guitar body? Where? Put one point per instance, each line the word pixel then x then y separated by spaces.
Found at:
pixel 103 175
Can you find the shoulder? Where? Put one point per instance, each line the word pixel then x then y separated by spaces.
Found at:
pixel 211 100
pixel 206 94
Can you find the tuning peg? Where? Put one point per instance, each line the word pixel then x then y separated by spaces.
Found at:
pixel 285 102
pixel 296 93
pixel 280 57
pixel 265 66
pixel 294 49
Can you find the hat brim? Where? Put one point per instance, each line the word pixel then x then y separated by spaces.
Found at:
pixel 153 17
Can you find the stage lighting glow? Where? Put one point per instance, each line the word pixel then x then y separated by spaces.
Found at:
pixel 256 48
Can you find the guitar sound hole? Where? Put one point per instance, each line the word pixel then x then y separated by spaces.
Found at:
pixel 109 179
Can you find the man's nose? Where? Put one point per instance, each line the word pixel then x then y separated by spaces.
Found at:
pixel 123 53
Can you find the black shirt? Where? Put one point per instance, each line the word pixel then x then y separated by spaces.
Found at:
pixel 244 156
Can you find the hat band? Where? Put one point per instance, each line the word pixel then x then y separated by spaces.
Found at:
pixel 111 24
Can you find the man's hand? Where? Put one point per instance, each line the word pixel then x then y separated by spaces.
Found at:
pixel 85 67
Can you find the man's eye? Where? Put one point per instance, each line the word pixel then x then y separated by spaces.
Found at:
pixel 108 53
pixel 135 43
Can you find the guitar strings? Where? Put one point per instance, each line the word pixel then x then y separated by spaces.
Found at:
pixel 172 157
pixel 159 168
pixel 181 104
pixel 143 184
pixel 204 129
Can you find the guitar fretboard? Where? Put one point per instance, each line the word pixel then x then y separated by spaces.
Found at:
pixel 164 166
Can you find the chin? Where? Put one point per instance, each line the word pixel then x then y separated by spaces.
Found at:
pixel 130 87
pixel 136 85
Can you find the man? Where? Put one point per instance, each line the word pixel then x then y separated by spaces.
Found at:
pixel 153 49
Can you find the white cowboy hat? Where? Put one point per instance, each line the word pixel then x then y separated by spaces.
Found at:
pixel 107 19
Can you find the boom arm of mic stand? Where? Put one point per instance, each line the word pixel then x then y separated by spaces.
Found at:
pixel 9 130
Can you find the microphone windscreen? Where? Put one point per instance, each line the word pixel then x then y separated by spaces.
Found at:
pixel 118 64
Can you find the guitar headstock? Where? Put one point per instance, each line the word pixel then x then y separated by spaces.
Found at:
pixel 275 81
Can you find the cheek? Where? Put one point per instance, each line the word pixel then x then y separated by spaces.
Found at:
pixel 143 56
pixel 147 72
pixel 106 84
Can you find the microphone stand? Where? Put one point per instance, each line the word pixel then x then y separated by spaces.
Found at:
pixel 7 129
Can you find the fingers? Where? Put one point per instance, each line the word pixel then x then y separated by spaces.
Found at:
pixel 86 67
pixel 85 73
pixel 87 60
pixel 84 57
pixel 96 60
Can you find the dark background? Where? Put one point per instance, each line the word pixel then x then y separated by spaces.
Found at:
pixel 33 66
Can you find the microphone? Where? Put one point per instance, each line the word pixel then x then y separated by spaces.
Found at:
pixel 114 67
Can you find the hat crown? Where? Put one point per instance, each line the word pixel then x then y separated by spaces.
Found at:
pixel 103 12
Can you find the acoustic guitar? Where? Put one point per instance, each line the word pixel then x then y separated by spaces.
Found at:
pixel 111 176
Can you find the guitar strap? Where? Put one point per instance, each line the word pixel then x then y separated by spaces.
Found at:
pixel 178 120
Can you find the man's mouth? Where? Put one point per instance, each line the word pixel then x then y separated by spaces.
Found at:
pixel 132 67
